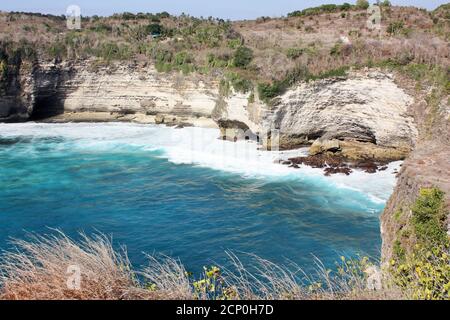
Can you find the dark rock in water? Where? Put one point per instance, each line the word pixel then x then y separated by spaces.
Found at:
pixel 368 166
pixel 333 170
pixel 336 164
pixel 183 125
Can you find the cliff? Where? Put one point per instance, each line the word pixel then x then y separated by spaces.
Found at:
pixel 427 166
pixel 364 115
pixel 72 91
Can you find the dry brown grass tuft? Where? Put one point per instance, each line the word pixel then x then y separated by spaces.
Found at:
pixel 168 279
pixel 274 282
pixel 38 270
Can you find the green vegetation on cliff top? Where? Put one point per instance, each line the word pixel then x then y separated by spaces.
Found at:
pixel 271 54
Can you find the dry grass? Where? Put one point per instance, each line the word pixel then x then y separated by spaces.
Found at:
pixel 423 40
pixel 274 282
pixel 37 269
pixel 168 279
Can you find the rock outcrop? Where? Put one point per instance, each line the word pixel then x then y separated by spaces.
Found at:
pixel 427 166
pixel 17 94
pixel 81 90
pixel 362 116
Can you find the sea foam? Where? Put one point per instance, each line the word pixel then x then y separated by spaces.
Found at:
pixel 201 147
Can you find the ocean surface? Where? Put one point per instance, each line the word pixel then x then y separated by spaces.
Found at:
pixel 183 193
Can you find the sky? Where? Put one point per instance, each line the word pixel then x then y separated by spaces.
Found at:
pixel 226 9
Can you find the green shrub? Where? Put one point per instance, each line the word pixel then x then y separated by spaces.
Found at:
pixel 154 29
pixel 362 4
pixel 428 218
pixel 294 53
pixel 242 57
pixel 224 88
pixel 112 51
pixel 333 73
pixel 57 50
pixel 251 98
pixel 3 69
pixel 234 43
pixel 423 271
pixel 209 35
pixel 346 6
pixel 267 91
pixel 218 61
pixel 182 58
pixel 162 55
pixel 395 27
pixel 101 28
pixel 325 8
pixel 239 83
pixel 336 49
pixel 425 274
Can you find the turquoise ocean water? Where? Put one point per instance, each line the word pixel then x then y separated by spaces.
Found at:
pixel 183 193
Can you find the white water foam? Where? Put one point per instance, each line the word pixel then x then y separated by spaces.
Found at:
pixel 201 147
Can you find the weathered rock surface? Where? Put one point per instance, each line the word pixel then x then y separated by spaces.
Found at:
pixel 116 92
pixel 427 166
pixel 333 164
pixel 365 114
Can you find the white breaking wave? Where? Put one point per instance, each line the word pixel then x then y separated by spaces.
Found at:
pixel 201 147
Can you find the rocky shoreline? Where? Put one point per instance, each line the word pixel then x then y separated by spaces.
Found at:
pixel 336 164
pixel 141 118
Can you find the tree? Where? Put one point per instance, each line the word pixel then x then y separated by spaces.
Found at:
pixel 346 6
pixel 154 29
pixel 362 4
pixel 242 57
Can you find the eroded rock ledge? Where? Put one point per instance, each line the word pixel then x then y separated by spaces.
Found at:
pixel 362 116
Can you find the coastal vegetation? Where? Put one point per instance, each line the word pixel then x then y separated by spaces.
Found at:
pixel 271 54
pixel 421 262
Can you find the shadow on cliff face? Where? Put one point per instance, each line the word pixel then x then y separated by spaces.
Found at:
pixel 50 92
pixel 46 107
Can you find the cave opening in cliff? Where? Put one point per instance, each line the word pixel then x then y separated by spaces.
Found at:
pixel 46 107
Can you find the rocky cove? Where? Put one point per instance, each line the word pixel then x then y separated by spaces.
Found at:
pixel 363 120
pixel 362 116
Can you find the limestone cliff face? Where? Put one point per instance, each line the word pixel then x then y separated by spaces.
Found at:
pixel 53 89
pixel 365 109
pixel 143 90
pixel 363 116
pixel 237 114
pixel 17 94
